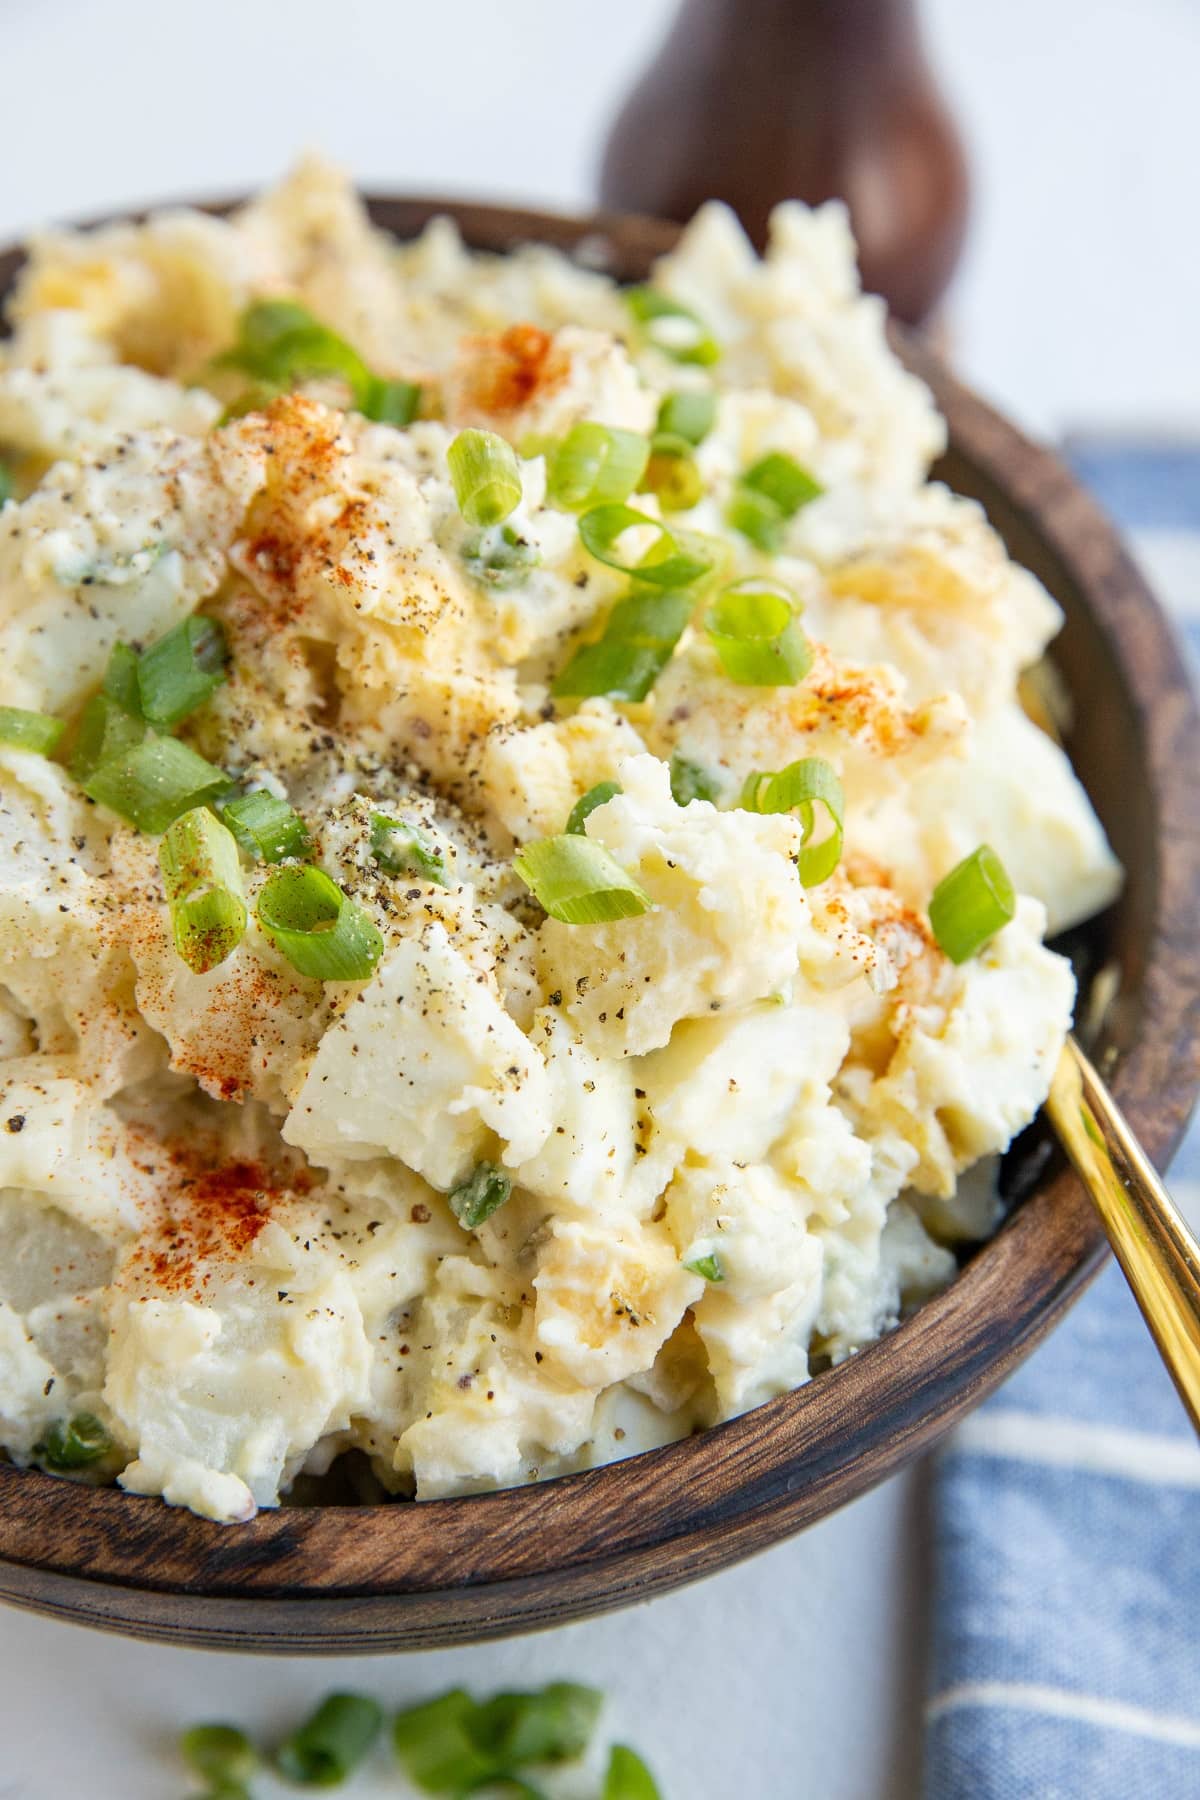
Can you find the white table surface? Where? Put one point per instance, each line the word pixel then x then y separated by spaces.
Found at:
pixel 799 1674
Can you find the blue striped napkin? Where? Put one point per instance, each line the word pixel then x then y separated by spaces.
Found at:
pixel 1066 1644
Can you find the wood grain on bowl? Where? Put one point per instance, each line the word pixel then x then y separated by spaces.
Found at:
pixel 332 1578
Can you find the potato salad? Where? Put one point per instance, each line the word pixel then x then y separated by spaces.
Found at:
pixel 525 867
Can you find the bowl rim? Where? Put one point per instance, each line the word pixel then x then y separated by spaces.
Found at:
pixel 376 1578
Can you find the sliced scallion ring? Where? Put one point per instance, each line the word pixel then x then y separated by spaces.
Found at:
pixel 627 1777
pixel 106 730
pixel 690 413
pixel 671 474
pixel 578 882
pixel 757 517
pixel 549 1725
pixel 971 904
pixel 398 847
pixel 639 636
pixel 483 1192
pixel 29 730
pixel 587 803
pixel 434 1746
pixel 153 781
pixel 202 879
pixel 798 788
pixel 486 476
pixel 781 479
pixel 672 327
pixel 669 561
pixel 320 930
pixel 266 827
pixel 753 629
pixel 332 1743
pixel 595 464
pixel 180 671
pixel 281 344
pixel 392 402
pixel 223 1754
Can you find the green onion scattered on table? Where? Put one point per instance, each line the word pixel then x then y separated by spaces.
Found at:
pixel 627 1777
pixel 578 882
pixel 971 904
pixel 331 1744
pixel 223 1754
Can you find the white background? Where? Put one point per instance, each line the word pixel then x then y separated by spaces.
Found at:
pixel 797 1675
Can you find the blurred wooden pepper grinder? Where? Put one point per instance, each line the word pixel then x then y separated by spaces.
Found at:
pixel 756 101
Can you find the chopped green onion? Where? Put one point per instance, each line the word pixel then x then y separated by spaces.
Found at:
pixel 6 482
pixel 641 632
pixel 75 1443
pixel 671 327
pixel 486 476
pixel 587 803
pixel 781 479
pixel 434 1746
pixel 502 561
pixel 627 1777
pixel 392 402
pixel 553 1724
pixel 690 413
pixel 578 882
pixel 29 730
pixel 401 849
pixel 267 828
pixel 181 670
pixel 595 464
pixel 798 787
pixel 753 630
pixel 150 783
pixel 708 1266
pixel 691 782
pixel 320 930
pixel 202 879
pixel 669 562
pixel 280 343
pixel 757 517
pixel 971 904
pixel 672 475
pixel 121 679
pixel 483 1192
pixel 330 1745
pixel 256 398
pixel 221 1753
pixel 106 731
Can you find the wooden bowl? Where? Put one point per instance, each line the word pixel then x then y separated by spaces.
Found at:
pixel 403 1577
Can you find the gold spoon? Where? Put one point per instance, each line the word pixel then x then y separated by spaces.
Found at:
pixel 1154 1247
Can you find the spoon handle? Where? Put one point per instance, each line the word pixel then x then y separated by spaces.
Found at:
pixel 1153 1245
